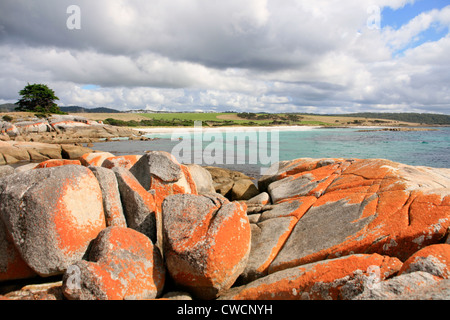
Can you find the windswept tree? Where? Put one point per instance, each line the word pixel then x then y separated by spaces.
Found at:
pixel 38 98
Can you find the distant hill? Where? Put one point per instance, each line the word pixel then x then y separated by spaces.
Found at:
pixel 10 107
pixel 77 109
pixel 7 107
pixel 422 118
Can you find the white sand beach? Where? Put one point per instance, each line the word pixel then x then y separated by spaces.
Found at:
pixel 168 130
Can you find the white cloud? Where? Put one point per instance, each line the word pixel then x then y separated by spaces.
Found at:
pixel 400 38
pixel 244 55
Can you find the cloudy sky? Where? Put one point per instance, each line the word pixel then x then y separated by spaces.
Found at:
pixel 320 56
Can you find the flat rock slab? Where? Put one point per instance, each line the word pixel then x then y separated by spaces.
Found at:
pixel 349 206
pixel 323 280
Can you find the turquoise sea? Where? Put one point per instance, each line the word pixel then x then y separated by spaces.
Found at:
pixel 264 146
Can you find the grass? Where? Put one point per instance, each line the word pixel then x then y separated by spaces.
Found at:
pixel 226 119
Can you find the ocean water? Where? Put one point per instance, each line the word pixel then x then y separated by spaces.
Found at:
pixel 250 150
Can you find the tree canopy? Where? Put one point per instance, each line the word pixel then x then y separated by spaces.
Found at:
pixel 38 98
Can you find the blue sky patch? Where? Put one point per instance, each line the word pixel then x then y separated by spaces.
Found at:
pixel 90 87
pixel 401 17
pixel 397 18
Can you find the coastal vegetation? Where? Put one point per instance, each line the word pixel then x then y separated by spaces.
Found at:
pixel 213 120
pixel 38 98
pixel 144 118
pixel 242 119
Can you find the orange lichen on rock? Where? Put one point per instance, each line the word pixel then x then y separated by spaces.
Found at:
pixel 162 174
pixel 362 206
pixel 126 161
pixel 206 242
pixel 51 215
pixel 139 206
pixel 321 280
pixel 123 264
pixel 112 203
pixel 12 266
pixel 57 163
pixel 434 259
pixel 74 225
pixel 95 158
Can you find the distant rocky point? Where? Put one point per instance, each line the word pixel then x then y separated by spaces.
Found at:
pixel 398 129
pixel 35 139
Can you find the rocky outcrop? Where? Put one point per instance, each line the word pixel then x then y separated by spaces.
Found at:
pixel 8 129
pixel 63 129
pixel 164 175
pixel 12 265
pixel 333 279
pixel 316 229
pixel 353 206
pixel 51 215
pixel 37 126
pixel 206 242
pixel 202 178
pixel 6 170
pixel 232 184
pixel 95 158
pixel 122 161
pixel 139 205
pixel 123 264
pixel 12 152
pixel 434 259
pixel 57 163
pixel 112 203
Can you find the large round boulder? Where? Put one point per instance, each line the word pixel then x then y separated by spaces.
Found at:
pixel 51 215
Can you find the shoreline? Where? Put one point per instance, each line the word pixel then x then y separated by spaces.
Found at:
pixel 224 129
pixel 167 130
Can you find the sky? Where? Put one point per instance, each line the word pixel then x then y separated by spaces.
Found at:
pixel 313 56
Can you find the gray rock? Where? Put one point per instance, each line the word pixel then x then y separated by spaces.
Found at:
pixel 123 264
pixel 111 196
pixel 37 126
pixel 138 204
pixel 25 167
pixel 52 214
pixel 160 164
pixel 267 237
pixel 290 187
pixel 262 198
pixel 206 242
pixel 270 230
pixel 9 129
pixel 321 228
pixel 202 179
pixel 177 295
pixel 243 189
pixel 73 152
pixel 6 171
pixel 412 286
pixel 12 266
